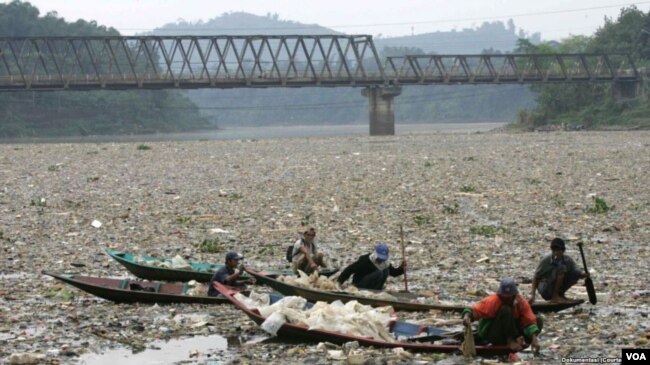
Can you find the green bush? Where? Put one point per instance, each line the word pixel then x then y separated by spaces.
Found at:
pixel 488 231
pixel 468 189
pixel 235 196
pixel 600 206
pixel 210 245
pixel 307 220
pixel 183 220
pixel 421 220
pixel 451 209
pixel 558 201
pixel 38 202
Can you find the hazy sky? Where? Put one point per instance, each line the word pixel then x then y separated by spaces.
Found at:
pixel 555 19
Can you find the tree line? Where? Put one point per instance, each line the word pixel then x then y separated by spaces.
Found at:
pixel 593 105
pixel 64 113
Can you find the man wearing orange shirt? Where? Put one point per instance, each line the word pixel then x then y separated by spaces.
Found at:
pixel 505 318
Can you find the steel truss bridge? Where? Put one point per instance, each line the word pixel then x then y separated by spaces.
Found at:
pixel 191 62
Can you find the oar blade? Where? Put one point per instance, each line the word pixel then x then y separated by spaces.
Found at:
pixel 589 284
pixel 591 291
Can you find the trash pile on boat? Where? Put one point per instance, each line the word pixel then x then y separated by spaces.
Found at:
pixel 310 281
pixel 319 282
pixel 196 289
pixel 176 262
pixel 351 318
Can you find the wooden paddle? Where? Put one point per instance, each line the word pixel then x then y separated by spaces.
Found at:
pixel 401 236
pixel 468 347
pixel 588 282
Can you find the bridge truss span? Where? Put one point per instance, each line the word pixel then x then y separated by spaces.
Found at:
pixel 187 62
pixel 510 68
pixel 265 61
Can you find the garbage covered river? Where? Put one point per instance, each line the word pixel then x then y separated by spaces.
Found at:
pixel 474 207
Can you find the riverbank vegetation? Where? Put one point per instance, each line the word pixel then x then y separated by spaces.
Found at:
pixel 593 105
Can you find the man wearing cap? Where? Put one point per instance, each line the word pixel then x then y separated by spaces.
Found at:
pixel 371 270
pixel 555 274
pixel 228 275
pixel 305 257
pixel 505 318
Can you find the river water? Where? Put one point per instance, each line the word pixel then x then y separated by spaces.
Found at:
pixel 271 132
pixel 162 352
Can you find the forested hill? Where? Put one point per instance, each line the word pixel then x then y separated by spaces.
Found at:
pixel 240 23
pixel 490 36
pixel 346 105
pixel 66 113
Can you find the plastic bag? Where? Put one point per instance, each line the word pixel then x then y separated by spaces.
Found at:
pixel 273 323
pixel 180 263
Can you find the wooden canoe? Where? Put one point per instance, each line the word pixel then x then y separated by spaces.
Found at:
pixel 148 267
pixel 411 336
pixel 404 301
pixel 136 291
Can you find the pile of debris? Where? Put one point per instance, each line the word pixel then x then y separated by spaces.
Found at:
pixel 175 263
pixel 351 318
pixel 318 282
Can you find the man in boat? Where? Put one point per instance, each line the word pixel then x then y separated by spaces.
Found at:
pixel 229 274
pixel 505 318
pixel 555 274
pixel 371 270
pixel 305 256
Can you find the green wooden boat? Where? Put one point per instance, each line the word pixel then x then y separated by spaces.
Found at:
pixel 136 291
pixel 403 301
pixel 155 268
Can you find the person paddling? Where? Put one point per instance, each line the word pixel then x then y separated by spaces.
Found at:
pixel 230 274
pixel 371 270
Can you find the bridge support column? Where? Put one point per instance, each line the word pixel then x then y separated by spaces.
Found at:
pixel 380 108
pixel 627 90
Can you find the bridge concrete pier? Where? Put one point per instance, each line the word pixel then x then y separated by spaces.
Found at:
pixel 628 90
pixel 380 108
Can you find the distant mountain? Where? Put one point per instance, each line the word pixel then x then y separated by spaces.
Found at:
pixel 345 105
pixel 240 23
pixel 492 36
pixel 488 36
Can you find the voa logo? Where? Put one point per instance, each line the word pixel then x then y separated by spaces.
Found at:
pixel 635 355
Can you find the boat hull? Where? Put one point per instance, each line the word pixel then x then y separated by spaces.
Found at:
pixel 302 333
pixel 121 290
pixel 200 271
pixel 313 295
